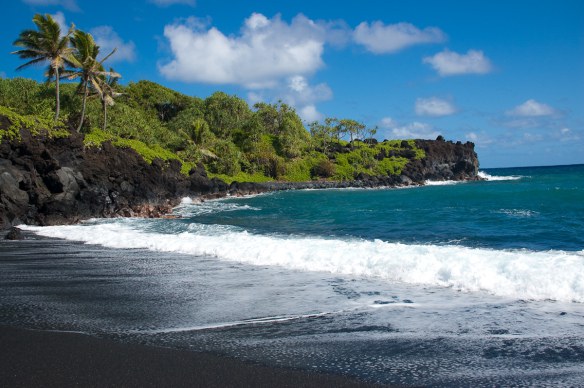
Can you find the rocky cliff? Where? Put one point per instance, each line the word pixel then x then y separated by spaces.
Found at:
pixel 59 181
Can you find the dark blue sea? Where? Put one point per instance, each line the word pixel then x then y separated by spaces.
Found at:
pixel 448 284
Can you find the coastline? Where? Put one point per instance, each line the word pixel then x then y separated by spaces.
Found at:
pixel 60 181
pixel 32 358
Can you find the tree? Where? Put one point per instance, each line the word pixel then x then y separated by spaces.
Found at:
pixel 292 137
pixel 322 134
pixel 105 87
pixel 350 127
pixel 46 45
pixel 87 67
pixel 225 114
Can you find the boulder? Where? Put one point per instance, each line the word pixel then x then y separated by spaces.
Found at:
pixel 14 234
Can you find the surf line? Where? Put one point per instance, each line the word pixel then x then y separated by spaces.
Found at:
pixel 244 322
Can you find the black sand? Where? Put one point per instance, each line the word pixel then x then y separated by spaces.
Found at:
pixel 31 358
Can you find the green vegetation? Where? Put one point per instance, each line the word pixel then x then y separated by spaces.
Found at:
pixel 232 140
pixel 37 125
pixel 46 44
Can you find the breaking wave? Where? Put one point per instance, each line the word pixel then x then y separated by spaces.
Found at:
pixel 521 274
pixel 489 177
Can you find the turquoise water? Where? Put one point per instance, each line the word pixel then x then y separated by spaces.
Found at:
pixel 538 208
pixel 450 284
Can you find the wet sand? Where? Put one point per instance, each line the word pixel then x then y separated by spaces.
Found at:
pixel 30 358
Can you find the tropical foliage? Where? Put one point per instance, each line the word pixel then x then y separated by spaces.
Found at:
pixel 46 44
pixel 232 140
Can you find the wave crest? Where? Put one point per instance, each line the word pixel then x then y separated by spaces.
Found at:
pixel 489 177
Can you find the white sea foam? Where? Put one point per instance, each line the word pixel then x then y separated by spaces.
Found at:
pixel 489 177
pixel 518 213
pixel 244 322
pixel 522 274
pixel 209 207
pixel 441 183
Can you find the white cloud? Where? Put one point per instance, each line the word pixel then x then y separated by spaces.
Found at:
pixel 380 38
pixel 388 123
pixel 531 108
pixel 166 3
pixel 448 63
pixel 303 96
pixel 108 39
pixel 2 74
pixel 480 139
pixel 266 51
pixel 566 134
pixel 71 5
pixel 309 114
pixel 59 17
pixel 434 107
pixel 301 93
pixel 254 97
pixel 415 130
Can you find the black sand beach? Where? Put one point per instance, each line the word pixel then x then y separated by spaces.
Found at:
pixel 32 358
pixel 44 358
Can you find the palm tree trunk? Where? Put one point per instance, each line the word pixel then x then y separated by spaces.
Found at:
pixel 83 107
pixel 104 114
pixel 57 94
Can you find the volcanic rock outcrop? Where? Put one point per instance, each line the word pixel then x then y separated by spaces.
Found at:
pixel 60 181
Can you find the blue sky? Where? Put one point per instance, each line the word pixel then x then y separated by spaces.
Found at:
pixel 507 75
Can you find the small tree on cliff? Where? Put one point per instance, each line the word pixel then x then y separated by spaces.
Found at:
pixel 105 86
pixel 87 67
pixel 46 45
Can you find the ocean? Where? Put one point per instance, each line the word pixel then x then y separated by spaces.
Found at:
pixel 448 284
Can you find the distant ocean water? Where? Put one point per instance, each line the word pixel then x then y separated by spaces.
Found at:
pixel 448 284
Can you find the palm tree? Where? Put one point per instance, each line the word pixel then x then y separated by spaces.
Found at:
pixel 87 67
pixel 105 87
pixel 45 44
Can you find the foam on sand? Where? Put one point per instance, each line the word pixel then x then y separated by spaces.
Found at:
pixel 521 274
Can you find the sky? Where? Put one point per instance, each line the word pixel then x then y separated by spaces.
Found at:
pixel 506 75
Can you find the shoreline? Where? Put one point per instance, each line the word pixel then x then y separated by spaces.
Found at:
pixel 240 190
pixel 32 358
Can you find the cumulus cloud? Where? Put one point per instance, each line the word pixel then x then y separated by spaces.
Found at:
pixel 415 130
pixel 304 96
pixel 108 39
pixel 71 5
pixel 448 63
pixel 301 93
pixel 296 91
pixel 309 114
pixel 434 107
pixel 380 38
pixel 263 53
pixel 166 3
pixel 531 108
